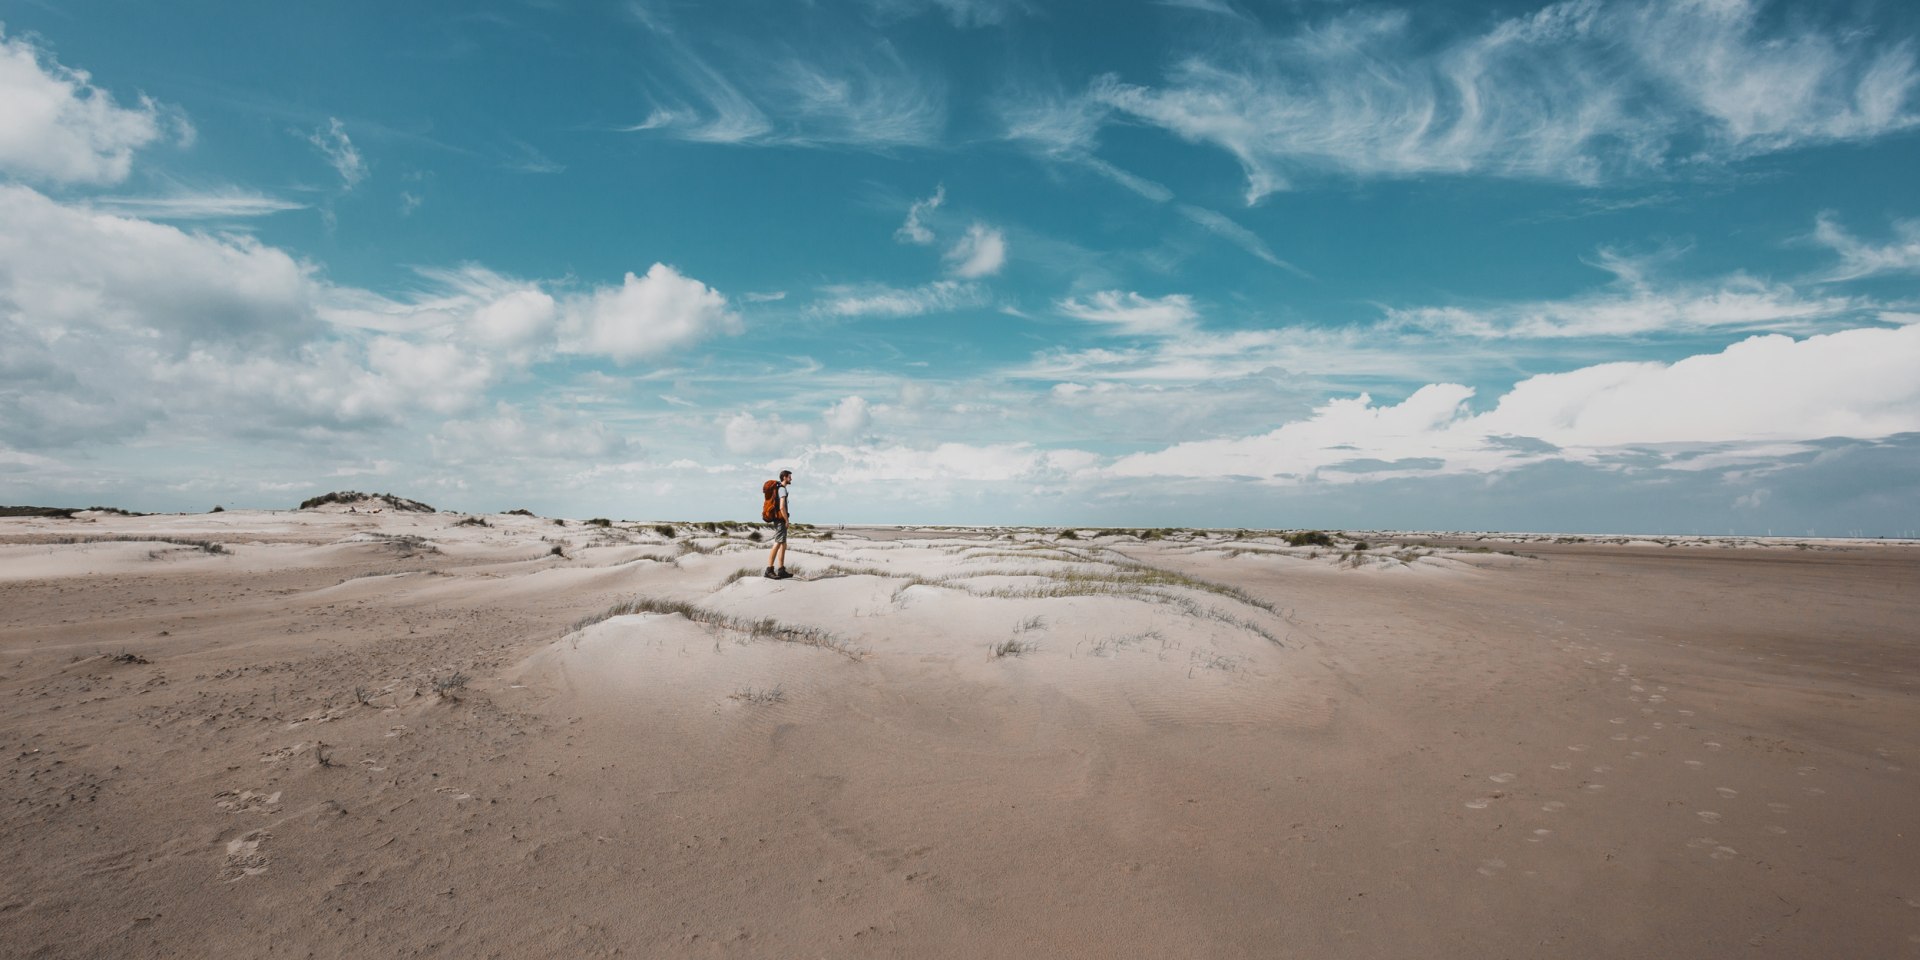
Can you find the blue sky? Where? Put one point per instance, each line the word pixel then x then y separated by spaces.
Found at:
pixel 1582 266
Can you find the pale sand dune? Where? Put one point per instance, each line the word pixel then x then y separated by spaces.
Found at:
pixel 1196 747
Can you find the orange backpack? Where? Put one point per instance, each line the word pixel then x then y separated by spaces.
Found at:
pixel 770 501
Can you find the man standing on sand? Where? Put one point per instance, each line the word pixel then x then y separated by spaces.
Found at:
pixel 777 558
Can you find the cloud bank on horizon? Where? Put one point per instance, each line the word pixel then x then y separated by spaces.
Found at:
pixel 1584 266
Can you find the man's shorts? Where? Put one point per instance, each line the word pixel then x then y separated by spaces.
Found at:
pixel 779 531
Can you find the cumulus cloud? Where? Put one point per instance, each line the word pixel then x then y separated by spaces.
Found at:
pixel 939 296
pixel 115 325
pixel 1758 394
pixel 516 317
pixel 1577 91
pixel 981 253
pixel 1859 258
pixel 848 418
pixel 1134 315
pixel 334 144
pixel 647 315
pixel 57 127
pixel 913 230
pixel 747 434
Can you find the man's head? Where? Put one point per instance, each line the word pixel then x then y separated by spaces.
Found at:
pixel 786 476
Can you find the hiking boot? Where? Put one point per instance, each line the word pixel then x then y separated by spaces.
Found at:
pixel 783 574
pixel 770 575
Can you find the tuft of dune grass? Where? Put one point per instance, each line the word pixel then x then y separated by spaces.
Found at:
pixel 765 628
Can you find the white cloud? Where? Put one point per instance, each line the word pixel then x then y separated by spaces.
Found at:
pixel 866 97
pixel 513 434
pixel 334 144
pixel 939 296
pixel 981 253
pixel 836 464
pixel 1222 225
pixel 1067 129
pixel 117 325
pixel 1859 258
pixel 1577 91
pixel 765 297
pixel 963 13
pixel 228 204
pixel 1634 306
pixel 647 316
pixel 57 127
pixel 848 418
pixel 64 268
pixel 1760 393
pixel 1134 315
pixel 746 434
pixel 517 317
pixel 913 231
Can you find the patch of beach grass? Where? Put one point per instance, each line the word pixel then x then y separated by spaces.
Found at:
pixel 764 628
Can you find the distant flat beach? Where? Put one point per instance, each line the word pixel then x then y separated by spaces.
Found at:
pixel 338 734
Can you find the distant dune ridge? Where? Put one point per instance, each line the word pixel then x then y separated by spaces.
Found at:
pixel 341 500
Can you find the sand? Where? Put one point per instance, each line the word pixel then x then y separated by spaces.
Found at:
pixel 951 743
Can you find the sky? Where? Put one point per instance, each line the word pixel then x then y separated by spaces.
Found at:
pixel 1587 266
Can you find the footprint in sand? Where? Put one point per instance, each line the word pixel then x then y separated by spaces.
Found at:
pixel 1492 867
pixel 1539 835
pixel 1695 764
pixel 1707 816
pixel 1563 765
pixel 1714 848
pixel 1727 793
pixel 1553 806
pixel 1501 778
pixel 1778 807
pixel 245 800
pixel 244 858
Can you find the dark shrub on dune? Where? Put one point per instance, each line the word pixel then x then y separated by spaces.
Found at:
pixel 378 501
pixel 1309 538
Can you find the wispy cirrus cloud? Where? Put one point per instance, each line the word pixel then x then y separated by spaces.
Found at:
pixel 867 97
pixel 1222 225
pixel 227 204
pixel 1860 258
pixel 914 230
pixel 876 300
pixel 1131 314
pixel 1638 305
pixel 1577 92
pixel 333 143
